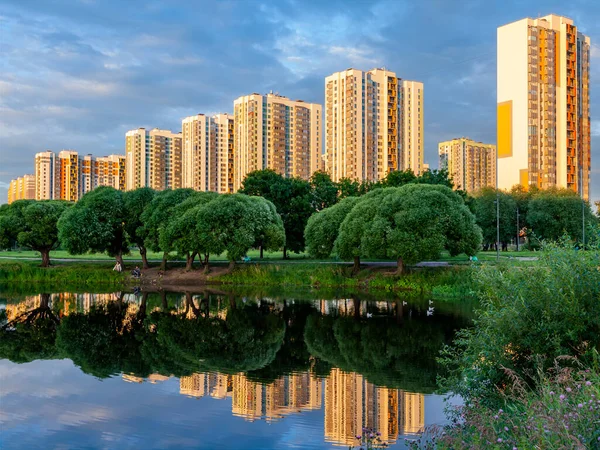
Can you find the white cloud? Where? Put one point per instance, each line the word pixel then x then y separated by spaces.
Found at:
pixel 595 128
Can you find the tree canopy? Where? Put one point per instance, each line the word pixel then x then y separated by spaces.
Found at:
pixel 33 224
pixel 135 202
pixel 95 224
pixel 322 227
pixel 483 206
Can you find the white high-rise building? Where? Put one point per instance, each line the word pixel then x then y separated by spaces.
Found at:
pixel 274 132
pixel 373 124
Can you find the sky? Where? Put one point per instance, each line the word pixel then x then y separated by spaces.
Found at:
pixel 78 74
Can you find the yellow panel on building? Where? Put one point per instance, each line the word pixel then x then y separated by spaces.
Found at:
pixel 504 129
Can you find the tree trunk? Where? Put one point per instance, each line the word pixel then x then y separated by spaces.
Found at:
pixel 189 261
pixel 143 303
pixel 45 258
pixel 163 263
pixel 399 312
pixel 261 252
pixel 143 252
pixel 400 269
pixel 356 305
pixel 206 265
pixel 190 302
pixel 284 252
pixel 119 259
pixel 356 266
pixel 163 300
pixel 231 266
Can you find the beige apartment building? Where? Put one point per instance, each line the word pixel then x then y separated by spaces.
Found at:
pixel 207 159
pixel 373 123
pixel 46 176
pixel 111 171
pixel 543 105
pixel 22 188
pixel 153 159
pixel 274 132
pixel 471 164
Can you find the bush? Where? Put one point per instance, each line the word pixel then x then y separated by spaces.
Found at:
pixel 563 412
pixel 529 316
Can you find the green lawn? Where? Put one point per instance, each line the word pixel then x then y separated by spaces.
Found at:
pixel 253 254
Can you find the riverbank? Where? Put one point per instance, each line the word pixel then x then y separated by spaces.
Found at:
pixel 440 281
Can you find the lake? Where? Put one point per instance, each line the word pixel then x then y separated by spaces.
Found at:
pixel 244 369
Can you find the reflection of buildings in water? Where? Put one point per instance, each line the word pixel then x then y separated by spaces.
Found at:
pixel 342 307
pixel 286 395
pixel 202 384
pixel 153 378
pixel 412 413
pixel 14 310
pixel 252 400
pixel 352 403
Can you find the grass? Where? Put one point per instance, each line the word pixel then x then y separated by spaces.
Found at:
pixel 450 281
pixel 253 254
pixel 81 274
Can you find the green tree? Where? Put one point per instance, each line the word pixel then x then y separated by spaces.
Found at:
pixel 348 188
pixel 554 212
pixel 95 224
pixel 441 177
pixel 483 206
pixel 292 198
pixel 397 178
pixel 135 203
pixel 235 223
pixel 416 222
pixel 34 225
pixel 348 242
pixel 323 227
pixel 180 235
pixel 157 216
pixel 11 222
pixel 324 191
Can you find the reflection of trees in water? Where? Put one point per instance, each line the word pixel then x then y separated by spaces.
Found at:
pixel 210 332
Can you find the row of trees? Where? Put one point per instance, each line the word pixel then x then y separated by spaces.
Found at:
pixel 411 223
pixel 272 212
pixel 534 214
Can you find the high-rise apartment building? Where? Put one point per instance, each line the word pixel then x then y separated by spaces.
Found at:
pixel 412 127
pixel 373 123
pixel 153 159
pixel 22 188
pixel 207 153
pixel 543 105
pixel 274 132
pixel 471 165
pixel 88 174
pixel 46 176
pixel 111 171
pixel 68 176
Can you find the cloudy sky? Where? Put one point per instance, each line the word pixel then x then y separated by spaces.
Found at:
pixel 77 74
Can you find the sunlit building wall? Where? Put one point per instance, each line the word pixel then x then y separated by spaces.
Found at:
pixel 22 188
pixel 373 124
pixel 68 172
pixel 543 105
pixel 153 159
pixel 46 176
pixel 470 164
pixel 111 171
pixel 412 413
pixel 274 132
pixel 207 153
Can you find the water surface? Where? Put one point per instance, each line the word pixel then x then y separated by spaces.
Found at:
pixel 218 369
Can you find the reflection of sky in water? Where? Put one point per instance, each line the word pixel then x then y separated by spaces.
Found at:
pixel 52 404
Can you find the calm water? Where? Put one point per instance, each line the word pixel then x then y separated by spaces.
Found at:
pixel 218 370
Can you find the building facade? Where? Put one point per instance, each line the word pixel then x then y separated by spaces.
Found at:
pixel 111 171
pixel 543 105
pixel 153 159
pixel 471 165
pixel 373 124
pixel 22 188
pixel 274 132
pixel 46 175
pixel 207 159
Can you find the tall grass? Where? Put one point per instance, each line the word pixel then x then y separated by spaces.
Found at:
pixel 451 281
pixel 74 274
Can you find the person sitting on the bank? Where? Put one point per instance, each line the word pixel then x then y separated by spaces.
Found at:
pixel 136 272
pixel 118 267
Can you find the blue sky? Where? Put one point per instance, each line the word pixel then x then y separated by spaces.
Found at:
pixel 78 74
